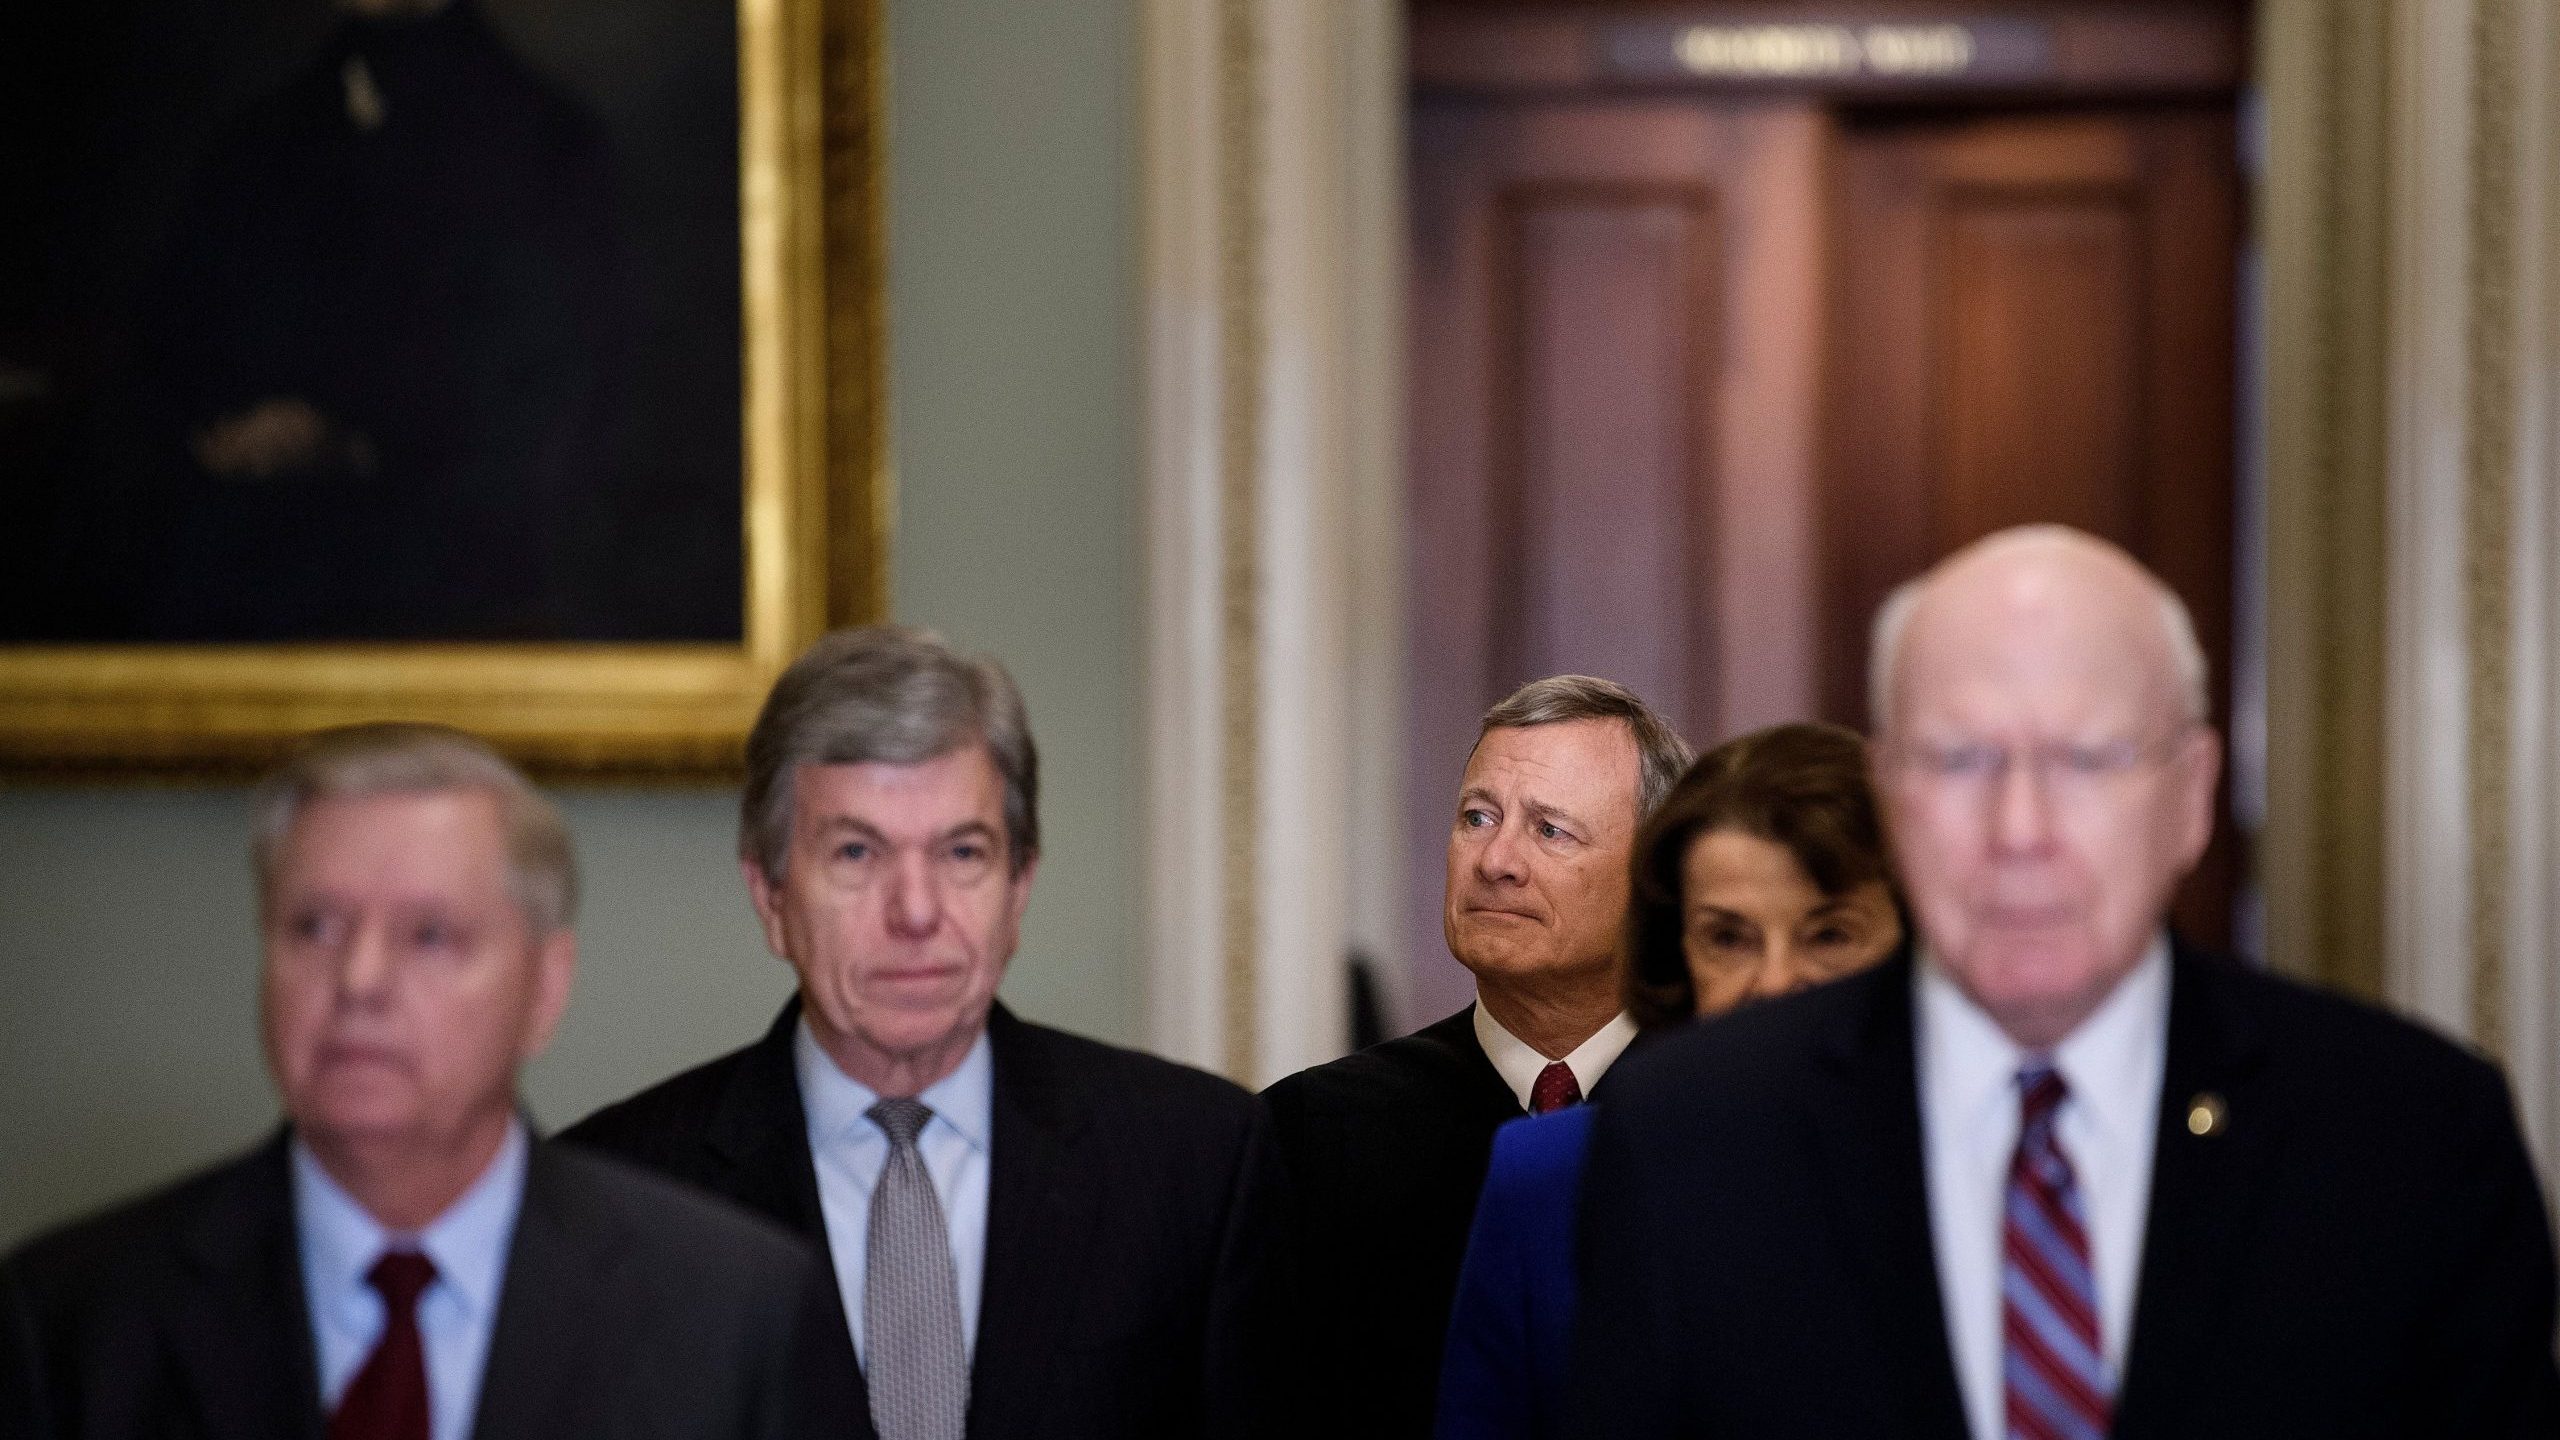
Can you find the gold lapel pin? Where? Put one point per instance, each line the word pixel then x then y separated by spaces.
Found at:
pixel 2207 1115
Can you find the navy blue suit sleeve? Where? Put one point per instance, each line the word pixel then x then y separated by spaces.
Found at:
pixel 1502 1376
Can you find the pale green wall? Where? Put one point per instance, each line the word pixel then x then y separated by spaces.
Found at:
pixel 1013 305
pixel 127 1035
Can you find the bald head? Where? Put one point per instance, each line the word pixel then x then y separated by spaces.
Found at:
pixel 2035 569
pixel 2046 776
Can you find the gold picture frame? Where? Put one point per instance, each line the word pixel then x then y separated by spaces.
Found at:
pixel 817 505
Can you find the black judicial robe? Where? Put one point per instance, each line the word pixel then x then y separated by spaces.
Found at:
pixel 1386 1150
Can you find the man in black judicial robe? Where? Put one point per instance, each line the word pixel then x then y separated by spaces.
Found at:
pixel 1387 1148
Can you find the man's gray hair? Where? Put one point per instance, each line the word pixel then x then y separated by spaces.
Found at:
pixel 1661 755
pixel 407 758
pixel 891 694
pixel 1893 620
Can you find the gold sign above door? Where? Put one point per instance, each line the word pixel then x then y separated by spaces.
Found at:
pixel 1887 53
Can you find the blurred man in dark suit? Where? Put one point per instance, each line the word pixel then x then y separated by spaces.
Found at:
pixel 1032 1234
pixel 2053 1173
pixel 1387 1148
pixel 405 1261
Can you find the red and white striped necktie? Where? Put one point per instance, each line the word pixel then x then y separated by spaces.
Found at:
pixel 2053 1369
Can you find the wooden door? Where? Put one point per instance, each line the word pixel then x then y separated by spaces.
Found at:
pixel 1613 366
pixel 2032 320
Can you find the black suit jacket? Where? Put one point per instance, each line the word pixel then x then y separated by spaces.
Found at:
pixel 1386 1151
pixel 630 1308
pixel 1133 1208
pixel 2358 1250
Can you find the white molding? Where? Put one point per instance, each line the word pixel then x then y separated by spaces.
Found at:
pixel 2427 859
pixel 1304 642
pixel 1373 111
pixel 1327 658
pixel 2532 999
pixel 1180 277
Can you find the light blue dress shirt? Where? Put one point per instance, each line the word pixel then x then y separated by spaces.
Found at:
pixel 850 1152
pixel 468 1244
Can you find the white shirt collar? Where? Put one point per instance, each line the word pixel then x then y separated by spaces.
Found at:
pixel 1974 1064
pixel 2107 1125
pixel 839 1105
pixel 468 1242
pixel 1519 1063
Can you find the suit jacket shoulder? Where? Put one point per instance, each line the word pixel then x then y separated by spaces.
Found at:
pixel 650 1128
pixel 637 1306
pixel 733 1126
pixel 2332 1039
pixel 84 1258
pixel 1752 1067
pixel 700 1245
pixel 1067 1067
pixel 180 1312
pixel 1437 1064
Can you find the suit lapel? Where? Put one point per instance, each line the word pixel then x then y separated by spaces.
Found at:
pixel 241 1329
pixel 758 1139
pixel 1041 1208
pixel 556 1314
pixel 2203 1193
pixel 1868 1124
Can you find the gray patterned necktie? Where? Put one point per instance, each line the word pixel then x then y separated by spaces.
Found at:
pixel 915 1362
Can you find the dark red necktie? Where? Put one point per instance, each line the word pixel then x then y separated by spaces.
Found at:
pixel 1556 1088
pixel 388 1398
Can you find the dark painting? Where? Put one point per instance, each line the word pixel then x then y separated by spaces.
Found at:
pixel 370 320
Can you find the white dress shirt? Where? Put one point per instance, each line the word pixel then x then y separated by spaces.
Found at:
pixel 1519 1063
pixel 457 1312
pixel 2108 1124
pixel 850 1151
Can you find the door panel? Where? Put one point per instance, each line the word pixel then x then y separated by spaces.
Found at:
pixel 1613 290
pixel 2039 297
pixel 2033 322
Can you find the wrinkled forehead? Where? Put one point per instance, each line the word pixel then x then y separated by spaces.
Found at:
pixel 1586 763
pixel 2042 652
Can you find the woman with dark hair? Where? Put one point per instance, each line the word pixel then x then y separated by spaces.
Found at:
pixel 1763 872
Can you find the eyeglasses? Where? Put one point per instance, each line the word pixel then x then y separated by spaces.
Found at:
pixel 2063 767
